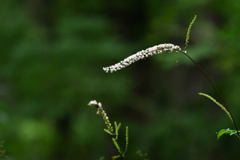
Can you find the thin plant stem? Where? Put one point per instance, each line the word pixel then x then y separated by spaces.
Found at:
pixel 235 125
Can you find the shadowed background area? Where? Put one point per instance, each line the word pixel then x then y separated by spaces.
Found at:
pixel 51 59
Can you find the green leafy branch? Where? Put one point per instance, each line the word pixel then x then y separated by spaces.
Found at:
pixel 113 132
pixel 122 154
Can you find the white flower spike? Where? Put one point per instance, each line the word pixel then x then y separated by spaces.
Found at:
pixel 93 102
pixel 158 49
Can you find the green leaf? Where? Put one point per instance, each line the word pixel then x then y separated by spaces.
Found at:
pixel 116 157
pixel 107 131
pixel 116 128
pixel 116 145
pixel 126 140
pixel 119 125
pixel 227 131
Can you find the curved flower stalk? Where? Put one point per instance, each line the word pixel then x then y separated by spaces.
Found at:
pixel 110 130
pixel 158 49
pixel 100 111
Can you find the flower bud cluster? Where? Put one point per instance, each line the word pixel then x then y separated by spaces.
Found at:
pixel 158 49
pixel 100 111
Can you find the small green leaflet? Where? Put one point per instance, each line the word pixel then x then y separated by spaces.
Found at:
pixel 116 157
pixel 227 131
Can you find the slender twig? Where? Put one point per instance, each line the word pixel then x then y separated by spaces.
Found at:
pixel 235 125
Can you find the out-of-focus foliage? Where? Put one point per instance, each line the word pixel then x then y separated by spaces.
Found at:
pixel 52 54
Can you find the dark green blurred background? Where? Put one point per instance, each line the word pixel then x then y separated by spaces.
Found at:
pixel 52 54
